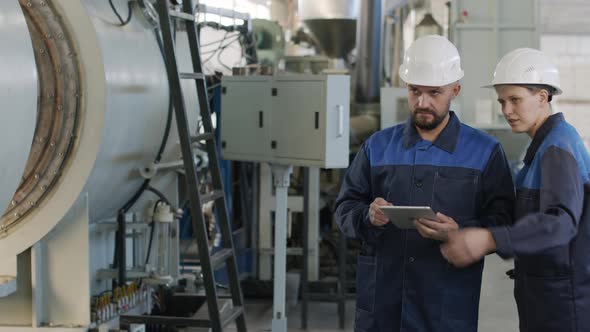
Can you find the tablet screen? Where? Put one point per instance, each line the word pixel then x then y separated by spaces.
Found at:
pixel 403 216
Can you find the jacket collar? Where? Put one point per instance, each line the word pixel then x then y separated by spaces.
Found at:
pixel 540 135
pixel 446 140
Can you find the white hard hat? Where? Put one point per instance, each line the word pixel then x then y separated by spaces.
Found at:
pixel 431 60
pixel 527 66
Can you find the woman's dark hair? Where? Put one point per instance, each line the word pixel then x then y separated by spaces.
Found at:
pixel 534 88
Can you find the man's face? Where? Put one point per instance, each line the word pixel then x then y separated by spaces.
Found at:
pixel 520 107
pixel 429 105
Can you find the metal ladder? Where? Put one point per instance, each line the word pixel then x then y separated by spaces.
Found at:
pixel 218 318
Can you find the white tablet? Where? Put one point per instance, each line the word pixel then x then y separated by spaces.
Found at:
pixel 403 216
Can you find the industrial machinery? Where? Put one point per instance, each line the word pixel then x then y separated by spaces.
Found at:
pixel 351 30
pixel 332 23
pixel 270 42
pixel 86 101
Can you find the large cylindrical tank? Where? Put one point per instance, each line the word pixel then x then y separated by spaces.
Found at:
pixel 17 98
pixel 89 99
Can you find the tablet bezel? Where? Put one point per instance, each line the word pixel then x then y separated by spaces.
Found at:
pixel 403 216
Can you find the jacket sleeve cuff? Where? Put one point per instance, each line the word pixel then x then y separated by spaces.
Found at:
pixel 503 244
pixel 470 223
pixel 374 231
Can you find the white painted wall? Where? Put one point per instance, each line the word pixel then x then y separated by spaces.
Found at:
pixel 571 53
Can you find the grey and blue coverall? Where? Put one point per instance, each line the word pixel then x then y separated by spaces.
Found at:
pixel 550 239
pixel 403 282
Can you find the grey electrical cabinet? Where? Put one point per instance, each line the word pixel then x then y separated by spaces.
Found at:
pixel 300 120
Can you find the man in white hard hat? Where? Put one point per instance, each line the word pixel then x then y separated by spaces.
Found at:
pixel 550 239
pixel 403 282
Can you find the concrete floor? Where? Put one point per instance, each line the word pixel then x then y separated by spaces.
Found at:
pixel 497 307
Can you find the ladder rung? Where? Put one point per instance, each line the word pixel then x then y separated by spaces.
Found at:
pixel 182 15
pixel 223 306
pixel 219 258
pixel 227 312
pixel 231 315
pixel 212 196
pixel 192 76
pixel 201 137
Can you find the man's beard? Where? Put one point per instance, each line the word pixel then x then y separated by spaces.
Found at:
pixel 425 124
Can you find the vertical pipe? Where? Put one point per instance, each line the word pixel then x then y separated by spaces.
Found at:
pixel 280 257
pixel 342 252
pixel 342 256
pixel 368 65
pixel 281 175
pixel 398 47
pixel 449 21
pixel 122 252
pixel 254 217
pixel 304 269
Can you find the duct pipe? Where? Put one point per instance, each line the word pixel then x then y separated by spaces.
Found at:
pixel 368 64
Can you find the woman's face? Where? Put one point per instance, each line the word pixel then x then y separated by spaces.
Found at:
pixel 522 107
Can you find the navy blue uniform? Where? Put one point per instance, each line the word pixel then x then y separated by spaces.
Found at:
pixel 403 282
pixel 551 237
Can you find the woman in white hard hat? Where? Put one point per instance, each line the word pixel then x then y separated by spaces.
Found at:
pixel 550 239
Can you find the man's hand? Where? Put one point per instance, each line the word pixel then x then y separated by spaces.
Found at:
pixel 436 230
pixel 375 215
pixel 468 246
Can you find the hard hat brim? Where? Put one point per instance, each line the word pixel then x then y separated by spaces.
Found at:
pixel 557 91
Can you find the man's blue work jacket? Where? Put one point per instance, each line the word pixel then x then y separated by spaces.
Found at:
pixel 403 282
pixel 550 239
